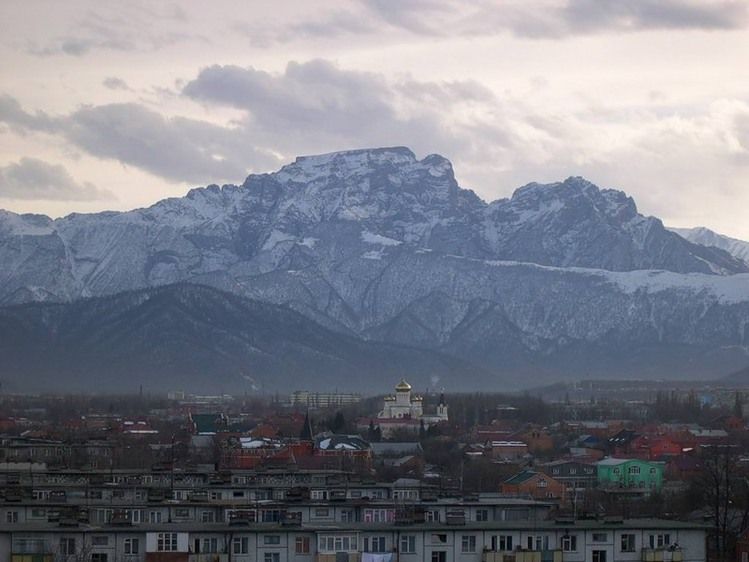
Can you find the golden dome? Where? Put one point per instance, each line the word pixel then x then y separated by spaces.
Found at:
pixel 403 386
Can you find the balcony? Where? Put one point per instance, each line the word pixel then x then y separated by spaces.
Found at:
pixel 523 556
pixel 338 557
pixel 662 555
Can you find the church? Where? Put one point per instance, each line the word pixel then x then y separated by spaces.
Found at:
pixel 404 410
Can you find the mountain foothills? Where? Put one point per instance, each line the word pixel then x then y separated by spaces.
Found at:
pixel 381 264
pixel 196 337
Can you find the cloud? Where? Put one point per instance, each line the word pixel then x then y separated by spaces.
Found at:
pixel 31 178
pixel 177 148
pixel 545 19
pixel 496 141
pixel 316 106
pixel 114 83
pixel 127 27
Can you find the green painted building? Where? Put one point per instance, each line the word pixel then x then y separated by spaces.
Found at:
pixel 629 473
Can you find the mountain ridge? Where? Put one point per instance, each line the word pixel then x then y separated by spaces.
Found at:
pixel 556 280
pixel 199 338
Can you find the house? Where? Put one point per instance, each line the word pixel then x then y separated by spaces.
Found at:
pixel 536 485
pixel 538 439
pixel 621 443
pixel 636 474
pixel 207 424
pixel 508 450
pixel 575 475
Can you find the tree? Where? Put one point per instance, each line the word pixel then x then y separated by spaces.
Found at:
pixel 738 406
pixel 726 495
pixel 339 422
pixel 306 433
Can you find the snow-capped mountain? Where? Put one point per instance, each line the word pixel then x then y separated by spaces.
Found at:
pixel 559 279
pixel 706 237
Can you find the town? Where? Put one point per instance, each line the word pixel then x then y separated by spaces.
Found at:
pixel 410 476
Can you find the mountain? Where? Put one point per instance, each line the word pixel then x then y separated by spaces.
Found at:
pixel 189 336
pixel 560 280
pixel 706 237
pixel 737 378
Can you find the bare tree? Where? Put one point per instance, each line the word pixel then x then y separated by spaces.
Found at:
pixel 726 497
pixel 82 554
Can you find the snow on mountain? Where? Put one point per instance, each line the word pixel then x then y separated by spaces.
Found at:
pixel 381 244
pixel 706 237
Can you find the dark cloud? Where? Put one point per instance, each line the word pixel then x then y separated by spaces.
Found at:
pixel 317 106
pixel 311 107
pixel 114 83
pixel 543 19
pixel 175 148
pixel 12 114
pixel 595 15
pixel 31 178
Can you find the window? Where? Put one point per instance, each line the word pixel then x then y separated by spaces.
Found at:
pixel 628 542
pixel 271 539
pixel 660 541
pixel 432 516
pixel 238 494
pixel 468 543
pixel 100 540
pixel 537 542
pixel 302 545
pixel 374 544
pixel 209 545
pixel 378 515
pixel 240 545
pixel 598 556
pixel 634 470
pixel 501 543
pixel 337 543
pixel 439 538
pixel 271 515
pixel 166 542
pixel 439 556
pixel 182 512
pixel 408 544
pixel 652 471
pixel 38 512
pixel 347 516
pixel 11 517
pixel 154 517
pixel 600 537
pixel 67 546
pixel 207 517
pixel 131 546
pixel 322 512
pixel 98 557
pixel 569 543
pixel 482 515
pixel 319 495
pixel 272 557
pixel 542 483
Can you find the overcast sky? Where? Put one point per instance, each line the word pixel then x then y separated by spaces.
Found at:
pixel 115 105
